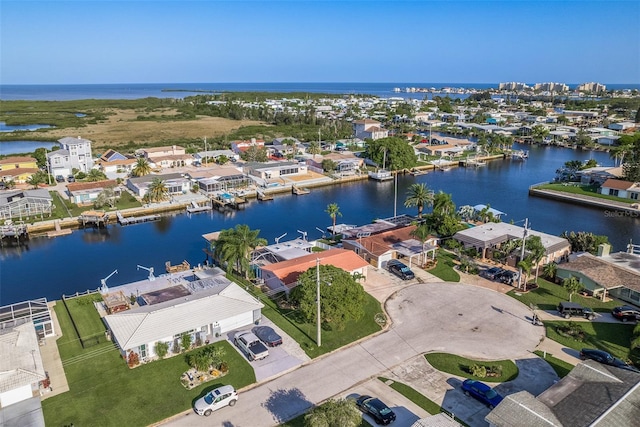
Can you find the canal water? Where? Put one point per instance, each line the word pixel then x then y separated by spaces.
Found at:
pixel 50 267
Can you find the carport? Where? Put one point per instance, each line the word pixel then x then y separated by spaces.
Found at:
pixel 412 248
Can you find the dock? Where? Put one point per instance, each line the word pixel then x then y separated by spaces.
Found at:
pixel 381 175
pixel 13 231
pixel 176 268
pixel 195 208
pixel 58 231
pixel 263 196
pixel 135 220
pixel 299 191
pixel 94 218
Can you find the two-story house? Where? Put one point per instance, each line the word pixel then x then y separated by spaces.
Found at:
pixel 17 168
pixel 369 129
pixel 74 153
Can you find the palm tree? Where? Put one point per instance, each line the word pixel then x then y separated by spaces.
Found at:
pixel 421 233
pixel 36 179
pixel 525 266
pixel 419 195
pixel 572 285
pixel 234 247
pixel 443 205
pixel 141 168
pixel 157 190
pixel 314 148
pixel 550 270
pixel 334 211
pixel 96 175
pixel 536 252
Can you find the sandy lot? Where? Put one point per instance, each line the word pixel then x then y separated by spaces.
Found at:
pixel 121 128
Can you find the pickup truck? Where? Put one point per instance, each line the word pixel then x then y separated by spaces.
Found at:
pixel 250 345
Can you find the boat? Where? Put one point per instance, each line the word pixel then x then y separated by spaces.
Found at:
pixel 381 175
pixel 299 191
pixel 520 155
pixel 417 172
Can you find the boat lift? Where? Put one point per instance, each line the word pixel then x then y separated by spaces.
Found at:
pixel 150 270
pixel 277 239
pixel 304 235
pixel 104 289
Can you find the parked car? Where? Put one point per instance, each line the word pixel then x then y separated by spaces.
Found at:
pixel 605 358
pixel 251 345
pixel 216 399
pixel 71 178
pixel 374 407
pixel 59 178
pixel 568 309
pixel 400 269
pixel 481 392
pixel 626 313
pixel 507 276
pixel 492 273
pixel 268 336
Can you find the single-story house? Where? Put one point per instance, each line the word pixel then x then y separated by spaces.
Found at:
pixel 223 178
pixel 21 368
pixel 83 193
pixel 18 176
pixel 489 236
pixel 599 174
pixel 284 275
pixel 617 275
pixel 377 249
pixel 274 170
pixel 620 188
pixel 25 203
pixel 622 126
pixel 202 303
pixel 592 394
pixel 113 167
pixel 207 156
pixel 156 152
pixel 176 183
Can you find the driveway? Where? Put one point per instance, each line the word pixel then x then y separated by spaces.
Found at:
pixel 450 317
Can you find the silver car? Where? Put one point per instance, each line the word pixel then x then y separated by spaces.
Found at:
pixel 216 399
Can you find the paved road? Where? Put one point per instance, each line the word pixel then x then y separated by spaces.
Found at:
pixel 450 317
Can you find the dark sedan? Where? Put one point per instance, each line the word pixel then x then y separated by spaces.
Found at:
pixel 374 407
pixel 400 269
pixel 268 336
pixel 605 358
pixel 481 392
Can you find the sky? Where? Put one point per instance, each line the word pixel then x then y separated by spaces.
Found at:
pixel 86 42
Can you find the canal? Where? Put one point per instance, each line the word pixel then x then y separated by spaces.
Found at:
pixel 76 262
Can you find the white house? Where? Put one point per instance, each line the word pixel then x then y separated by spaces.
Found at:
pixel 176 183
pixel 369 129
pixel 620 188
pixel 201 303
pixel 622 126
pixel 75 153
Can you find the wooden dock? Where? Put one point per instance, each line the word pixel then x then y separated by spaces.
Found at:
pixel 59 231
pixel 263 196
pixel 299 191
pixel 135 220
pixel 94 218
pixel 13 231
pixel 195 208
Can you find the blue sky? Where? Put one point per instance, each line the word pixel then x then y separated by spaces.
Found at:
pixel 58 42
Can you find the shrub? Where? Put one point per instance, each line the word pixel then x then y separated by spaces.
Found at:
pixel 478 371
pixel 133 359
pixel 161 349
pixel 186 341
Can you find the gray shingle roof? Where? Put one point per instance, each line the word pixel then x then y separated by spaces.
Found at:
pixel 20 363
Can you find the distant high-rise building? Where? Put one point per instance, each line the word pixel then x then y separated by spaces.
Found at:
pixel 513 86
pixel 591 87
pixel 552 87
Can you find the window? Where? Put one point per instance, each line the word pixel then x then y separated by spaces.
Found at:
pixel 613 192
pixel 633 196
pixel 143 350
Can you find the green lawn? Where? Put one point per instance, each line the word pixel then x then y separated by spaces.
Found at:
pixel 561 367
pixel 583 190
pixel 419 399
pixel 105 392
pixel 305 333
pixel 548 295
pixel 459 366
pixel 85 316
pixel 444 270
pixel 612 337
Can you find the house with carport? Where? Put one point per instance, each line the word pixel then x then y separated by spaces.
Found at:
pixel 200 302
pixel 283 276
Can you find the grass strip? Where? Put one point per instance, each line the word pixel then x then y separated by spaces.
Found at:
pixel 561 367
pixel 461 367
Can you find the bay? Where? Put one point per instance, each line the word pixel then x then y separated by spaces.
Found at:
pixel 24 146
pixel 76 262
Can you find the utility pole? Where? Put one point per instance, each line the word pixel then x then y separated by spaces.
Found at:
pixel 524 241
pixel 318 335
pixel 205 150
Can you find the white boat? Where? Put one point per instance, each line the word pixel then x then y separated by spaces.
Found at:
pixel 381 175
pixel 520 155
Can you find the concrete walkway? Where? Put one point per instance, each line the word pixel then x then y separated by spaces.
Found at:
pixel 51 359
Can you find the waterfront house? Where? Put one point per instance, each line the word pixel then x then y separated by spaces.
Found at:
pixel 284 275
pixel 75 153
pixel 368 128
pixel 114 164
pixel 617 275
pixel 486 237
pixel 591 394
pixel 85 193
pixel 23 204
pixel 599 174
pixel 202 303
pixel 275 170
pixel 378 248
pixel 176 183
pixel 620 188
pixel 220 178
pixel 17 168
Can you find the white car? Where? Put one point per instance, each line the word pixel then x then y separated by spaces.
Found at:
pixel 216 399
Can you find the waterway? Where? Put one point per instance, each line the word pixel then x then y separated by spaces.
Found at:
pixel 76 262
pixel 24 146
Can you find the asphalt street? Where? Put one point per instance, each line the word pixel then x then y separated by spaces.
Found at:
pixel 461 319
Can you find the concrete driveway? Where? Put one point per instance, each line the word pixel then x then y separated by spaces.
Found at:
pixel 450 317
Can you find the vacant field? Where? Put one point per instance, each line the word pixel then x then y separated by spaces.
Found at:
pixel 121 128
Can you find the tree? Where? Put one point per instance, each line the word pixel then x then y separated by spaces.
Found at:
pixel 185 341
pixel 631 167
pixel 329 165
pixel 41 157
pixel 255 153
pixel 333 413
pixel 314 148
pixel 539 132
pixel 36 179
pixel 106 197
pixel 157 191
pixel 96 175
pixel 637 120
pixel 550 270
pixel 222 159
pixel 419 195
pixel 583 241
pixel 342 298
pixel 161 348
pixel 443 204
pixel 525 265
pixel 466 212
pixel 234 247
pixel 334 211
pixel 391 153
pixel 536 251
pixel 572 285
pixel 141 168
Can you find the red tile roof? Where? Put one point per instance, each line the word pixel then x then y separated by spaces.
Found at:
pixel 617 184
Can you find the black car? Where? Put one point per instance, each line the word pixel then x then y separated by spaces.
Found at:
pixel 373 406
pixel 492 273
pixel 400 269
pixel 268 336
pixel 59 178
pixel 568 309
pixel 605 358
pixel 507 276
pixel 626 313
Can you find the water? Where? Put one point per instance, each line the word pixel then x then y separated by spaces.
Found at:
pixel 10 128
pixel 181 90
pixel 76 262
pixel 20 147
